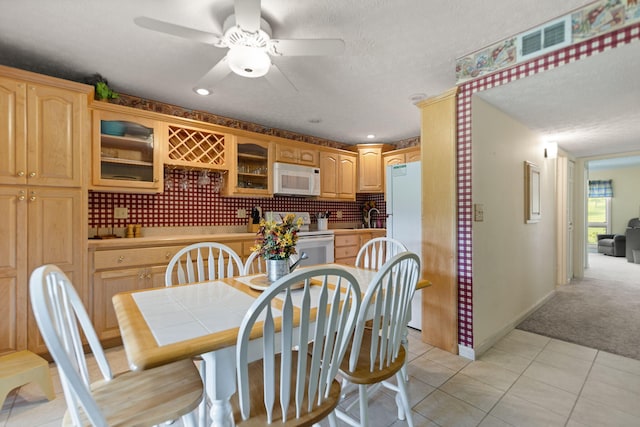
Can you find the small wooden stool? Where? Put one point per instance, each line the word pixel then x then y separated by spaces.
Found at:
pixel 22 367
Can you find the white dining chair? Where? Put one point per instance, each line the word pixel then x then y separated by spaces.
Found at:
pixel 305 334
pixel 146 397
pixel 374 253
pixel 377 353
pixel 202 262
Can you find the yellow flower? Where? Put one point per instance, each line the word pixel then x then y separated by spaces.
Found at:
pixel 277 240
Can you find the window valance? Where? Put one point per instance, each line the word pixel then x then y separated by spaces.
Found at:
pixel 600 188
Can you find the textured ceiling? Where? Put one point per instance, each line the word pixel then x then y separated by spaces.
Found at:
pixel 393 50
pixel 590 107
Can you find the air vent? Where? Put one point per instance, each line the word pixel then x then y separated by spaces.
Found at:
pixel 550 36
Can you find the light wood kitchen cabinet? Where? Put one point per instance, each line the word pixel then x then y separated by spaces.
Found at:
pixel 108 283
pixel 120 270
pixel 348 243
pixel 338 175
pixel 251 172
pixel 47 234
pixel 13 271
pixel 126 150
pixel 370 173
pixel 398 157
pixel 44 129
pixel 132 267
pixel 41 130
pixel 192 146
pixel 299 154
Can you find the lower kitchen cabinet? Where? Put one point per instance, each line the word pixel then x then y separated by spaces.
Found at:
pixel 108 283
pixel 348 243
pixel 123 265
pixel 39 226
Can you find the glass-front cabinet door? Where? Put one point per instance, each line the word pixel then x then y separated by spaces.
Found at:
pixel 126 153
pixel 252 173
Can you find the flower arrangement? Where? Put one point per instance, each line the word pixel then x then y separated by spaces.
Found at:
pixel 277 241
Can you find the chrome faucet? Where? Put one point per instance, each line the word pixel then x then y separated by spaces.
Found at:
pixel 367 218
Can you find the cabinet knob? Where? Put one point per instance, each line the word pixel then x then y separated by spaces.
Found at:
pixel 156 180
pixel 20 173
pixel 33 196
pixel 32 175
pixel 141 275
pixel 167 255
pixel 21 197
pixel 121 258
pixel 148 275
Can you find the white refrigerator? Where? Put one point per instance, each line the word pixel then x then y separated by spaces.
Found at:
pixel 404 222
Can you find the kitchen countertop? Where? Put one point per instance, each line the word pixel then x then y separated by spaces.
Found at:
pixel 357 230
pixel 184 239
pixel 167 240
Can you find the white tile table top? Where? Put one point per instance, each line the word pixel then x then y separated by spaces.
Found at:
pixel 180 313
pixel 363 276
pixel 296 294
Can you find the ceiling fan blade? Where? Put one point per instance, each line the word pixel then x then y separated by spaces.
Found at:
pixel 214 75
pixel 179 31
pixel 279 80
pixel 306 47
pixel 247 14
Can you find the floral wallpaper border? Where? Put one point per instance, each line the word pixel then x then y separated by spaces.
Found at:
pixel 591 21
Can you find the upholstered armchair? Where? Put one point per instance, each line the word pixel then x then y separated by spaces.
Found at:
pixel 612 244
pixel 632 236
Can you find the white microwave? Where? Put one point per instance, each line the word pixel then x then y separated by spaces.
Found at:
pixel 295 180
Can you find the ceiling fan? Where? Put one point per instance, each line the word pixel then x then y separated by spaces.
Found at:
pixel 248 37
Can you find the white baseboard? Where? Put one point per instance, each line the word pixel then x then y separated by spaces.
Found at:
pixel 479 349
pixel 466 352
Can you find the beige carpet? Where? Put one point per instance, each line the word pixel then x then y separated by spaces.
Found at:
pixel 601 311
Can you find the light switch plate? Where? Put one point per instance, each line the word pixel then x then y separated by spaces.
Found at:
pixel 120 213
pixel 478 212
pixel 339 214
pixel 241 213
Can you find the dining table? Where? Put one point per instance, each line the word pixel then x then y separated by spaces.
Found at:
pixel 163 325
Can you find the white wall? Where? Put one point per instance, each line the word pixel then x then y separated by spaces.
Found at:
pixel 514 264
pixel 625 203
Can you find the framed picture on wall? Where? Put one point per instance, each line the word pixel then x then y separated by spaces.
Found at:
pixel 532 211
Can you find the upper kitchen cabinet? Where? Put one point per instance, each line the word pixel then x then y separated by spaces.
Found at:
pixel 370 174
pixel 251 174
pixel 195 147
pixel 398 157
pixel 404 155
pixel 297 153
pixel 126 150
pixel 43 122
pixel 338 175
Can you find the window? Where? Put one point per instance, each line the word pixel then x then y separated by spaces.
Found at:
pixel 598 209
pixel 598 214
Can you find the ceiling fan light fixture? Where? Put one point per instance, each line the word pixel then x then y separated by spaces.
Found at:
pixel 248 61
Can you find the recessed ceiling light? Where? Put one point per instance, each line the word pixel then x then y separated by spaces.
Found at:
pixel 202 91
pixel 371 136
pixel 314 121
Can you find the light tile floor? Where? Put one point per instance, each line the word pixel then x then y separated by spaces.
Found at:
pixel 524 380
